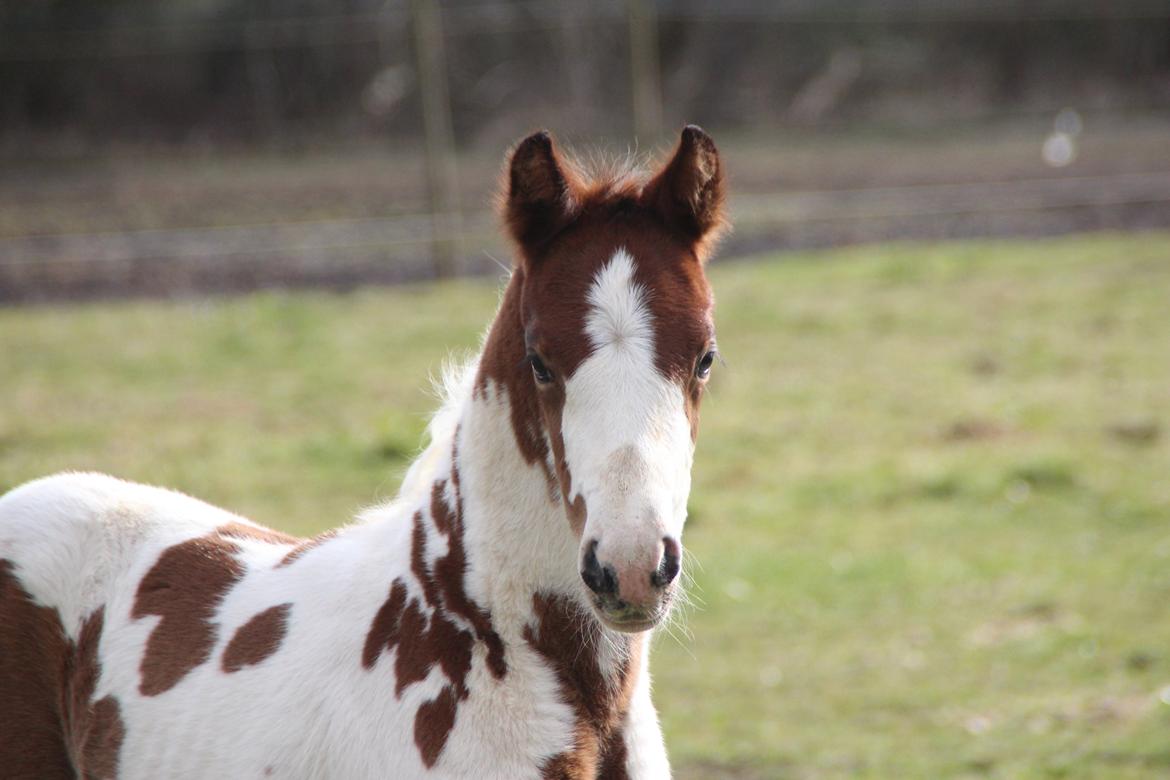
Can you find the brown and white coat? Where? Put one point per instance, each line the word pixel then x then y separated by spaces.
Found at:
pixel 449 633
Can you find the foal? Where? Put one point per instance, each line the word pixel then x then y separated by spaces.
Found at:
pixel 490 622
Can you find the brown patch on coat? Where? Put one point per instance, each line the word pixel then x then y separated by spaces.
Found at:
pixel 441 513
pixel 614 757
pixel 384 629
pixel 424 632
pixel 257 639
pixel 33 653
pixel 692 397
pixel 81 675
pixel 103 740
pixel 433 724
pixel 566 637
pixel 503 362
pixel 184 588
pixel 233 530
pixel 450 571
pixel 552 412
pixel 565 766
pixel 95 729
pixel 305 546
pixel 51 727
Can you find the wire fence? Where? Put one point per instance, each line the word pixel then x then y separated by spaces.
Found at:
pixel 452 233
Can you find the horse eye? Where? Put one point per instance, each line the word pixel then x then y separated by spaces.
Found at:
pixel 703 368
pixel 539 369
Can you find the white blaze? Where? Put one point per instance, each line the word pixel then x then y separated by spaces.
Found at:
pixel 627 438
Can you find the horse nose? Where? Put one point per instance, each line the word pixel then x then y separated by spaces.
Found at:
pixel 602 580
pixel 635 583
pixel 670 565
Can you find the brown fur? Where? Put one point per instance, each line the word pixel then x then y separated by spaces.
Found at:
pixel 384 630
pixel 184 588
pixel 690 191
pixel 503 363
pixel 267 535
pixel 51 727
pixel 424 633
pixel 566 637
pixel 541 191
pixel 33 652
pixel 304 547
pixel 103 742
pixel 433 724
pixel 614 757
pixel 95 729
pixel 449 571
pixel 552 412
pixel 257 639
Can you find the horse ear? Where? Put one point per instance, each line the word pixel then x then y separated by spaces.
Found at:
pixel 540 192
pixel 689 191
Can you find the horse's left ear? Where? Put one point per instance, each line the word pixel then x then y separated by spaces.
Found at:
pixel 689 191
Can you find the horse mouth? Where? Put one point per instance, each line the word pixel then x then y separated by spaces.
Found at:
pixel 627 618
pixel 630 626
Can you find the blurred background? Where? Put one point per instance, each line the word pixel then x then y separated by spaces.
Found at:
pixel 930 524
pixel 194 145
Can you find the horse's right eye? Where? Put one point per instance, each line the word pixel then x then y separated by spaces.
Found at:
pixel 540 370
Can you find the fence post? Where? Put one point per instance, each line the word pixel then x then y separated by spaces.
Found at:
pixel 442 173
pixel 644 78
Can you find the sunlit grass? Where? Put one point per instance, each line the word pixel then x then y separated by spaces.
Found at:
pixel 932 497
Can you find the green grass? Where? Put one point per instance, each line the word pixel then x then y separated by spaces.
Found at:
pixel 931 507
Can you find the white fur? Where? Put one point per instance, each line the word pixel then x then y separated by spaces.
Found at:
pixel 647 753
pixel 80 541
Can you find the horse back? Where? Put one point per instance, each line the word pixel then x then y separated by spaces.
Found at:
pixel 69 545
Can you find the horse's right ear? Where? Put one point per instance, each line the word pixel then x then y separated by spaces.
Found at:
pixel 689 191
pixel 540 195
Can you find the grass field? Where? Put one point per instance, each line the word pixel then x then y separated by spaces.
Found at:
pixel 931 507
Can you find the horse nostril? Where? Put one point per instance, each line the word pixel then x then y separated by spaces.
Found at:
pixel 602 580
pixel 671 563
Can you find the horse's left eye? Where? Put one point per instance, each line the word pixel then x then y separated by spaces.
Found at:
pixel 703 367
pixel 539 369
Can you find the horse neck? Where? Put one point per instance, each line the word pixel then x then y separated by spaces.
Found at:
pixel 488 442
pixel 517 526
